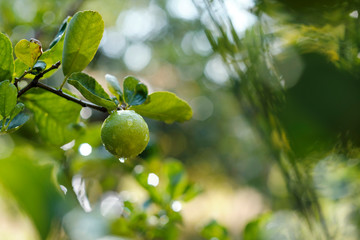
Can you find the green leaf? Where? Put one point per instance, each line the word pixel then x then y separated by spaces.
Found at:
pixel 6 58
pixel 82 40
pixel 17 109
pixel 38 67
pixel 214 230
pixel 32 186
pixel 164 106
pixel 20 68
pixel 142 179
pixel 15 123
pixel 60 32
pixel 54 54
pixel 135 93
pixel 28 51
pixel 114 86
pixel 91 90
pixel 49 57
pixel 191 191
pixel 55 117
pixel 255 229
pixel 8 98
pixel 177 179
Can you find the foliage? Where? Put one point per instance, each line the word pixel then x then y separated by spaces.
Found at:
pixel 291 90
pixel 274 97
pixel 56 115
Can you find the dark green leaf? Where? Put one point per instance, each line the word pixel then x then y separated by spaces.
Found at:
pixel 114 86
pixel 135 93
pixel 164 106
pixel 82 39
pixel 32 186
pixel 54 54
pixel 91 90
pixel 60 32
pixel 17 122
pixel 17 109
pixel 38 67
pixel 6 58
pixel 8 98
pixel 55 117
pixel 28 51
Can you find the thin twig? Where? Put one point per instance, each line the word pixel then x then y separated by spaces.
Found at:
pixel 63 83
pixel 34 82
pixel 19 78
pixel 71 98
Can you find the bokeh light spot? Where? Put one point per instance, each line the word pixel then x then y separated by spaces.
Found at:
pixel 184 9
pixel 176 206
pixel 113 43
pixel 216 71
pixel 111 206
pixel 203 108
pixel 137 56
pixel 85 149
pixel 85 113
pixel 153 179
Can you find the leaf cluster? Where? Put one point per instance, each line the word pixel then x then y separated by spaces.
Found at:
pixel 74 46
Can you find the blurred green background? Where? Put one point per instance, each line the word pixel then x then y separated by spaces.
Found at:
pixel 277 80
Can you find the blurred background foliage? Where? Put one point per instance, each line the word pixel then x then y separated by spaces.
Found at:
pixel 272 151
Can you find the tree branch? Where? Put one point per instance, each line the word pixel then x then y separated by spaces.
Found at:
pixel 71 98
pixel 35 83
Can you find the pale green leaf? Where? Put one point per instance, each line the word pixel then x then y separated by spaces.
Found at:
pixel 91 90
pixel 28 51
pixel 8 98
pixel 20 68
pixel 164 106
pixel 33 188
pixel 6 58
pixel 114 86
pixel 56 118
pixel 82 40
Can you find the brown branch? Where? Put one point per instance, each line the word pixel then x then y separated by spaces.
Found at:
pixel 35 83
pixel 71 98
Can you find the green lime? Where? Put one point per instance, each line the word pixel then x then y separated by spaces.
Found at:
pixel 125 134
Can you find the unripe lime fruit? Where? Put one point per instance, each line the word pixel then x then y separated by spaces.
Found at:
pixel 125 134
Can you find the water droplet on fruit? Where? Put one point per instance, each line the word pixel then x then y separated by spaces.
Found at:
pixel 146 138
pixel 129 122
